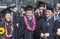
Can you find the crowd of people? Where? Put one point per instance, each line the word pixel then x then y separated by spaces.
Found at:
pixel 28 22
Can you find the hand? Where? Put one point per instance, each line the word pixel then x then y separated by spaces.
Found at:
pixel 42 35
pixel 58 33
pixel 8 35
pixel 46 34
pixel 58 30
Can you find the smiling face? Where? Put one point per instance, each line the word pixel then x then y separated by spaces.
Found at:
pixel 29 13
pixel 8 16
pixel 48 13
pixel 41 9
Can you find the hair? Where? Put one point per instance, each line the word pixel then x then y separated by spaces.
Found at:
pixel 7 12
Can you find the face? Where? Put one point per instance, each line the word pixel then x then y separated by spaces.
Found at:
pixel 29 13
pixel 21 9
pixel 15 8
pixel 37 11
pixel 41 9
pixel 48 13
pixel 8 17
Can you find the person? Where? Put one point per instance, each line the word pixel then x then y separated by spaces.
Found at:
pixel 39 14
pixel 15 12
pixel 57 32
pixel 46 27
pixel 40 11
pixel 15 18
pixel 57 15
pixel 22 11
pixel 29 23
pixel 8 25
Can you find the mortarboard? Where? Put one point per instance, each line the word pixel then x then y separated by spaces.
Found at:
pixel 24 7
pixel 50 7
pixel 40 4
pixel 29 7
pixel 4 11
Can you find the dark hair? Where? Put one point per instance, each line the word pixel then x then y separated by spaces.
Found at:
pixel 7 12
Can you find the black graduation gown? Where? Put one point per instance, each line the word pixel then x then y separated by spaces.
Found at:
pixel 57 27
pixel 40 17
pixel 15 21
pixel 37 31
pixel 27 33
pixel 55 30
pixel 47 27
pixel 21 28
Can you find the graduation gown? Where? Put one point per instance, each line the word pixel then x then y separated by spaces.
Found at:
pixel 37 31
pixel 15 21
pixel 55 30
pixel 21 28
pixel 47 27
pixel 27 34
pixel 57 27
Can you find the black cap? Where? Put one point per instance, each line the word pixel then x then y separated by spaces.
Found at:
pixel 24 7
pixel 4 11
pixel 29 7
pixel 40 4
pixel 7 11
pixel 50 7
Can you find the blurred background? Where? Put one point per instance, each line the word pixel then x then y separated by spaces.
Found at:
pixel 25 2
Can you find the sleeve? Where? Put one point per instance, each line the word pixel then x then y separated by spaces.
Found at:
pixel 21 28
pixel 56 26
pixel 38 28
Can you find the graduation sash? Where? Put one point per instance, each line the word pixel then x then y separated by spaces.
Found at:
pixel 8 30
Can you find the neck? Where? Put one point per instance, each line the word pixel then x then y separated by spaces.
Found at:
pixel 8 20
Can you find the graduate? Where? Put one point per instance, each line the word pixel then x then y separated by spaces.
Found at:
pixel 15 12
pixel 8 25
pixel 22 11
pixel 40 11
pixel 47 26
pixel 29 23
pixel 57 28
pixel 15 18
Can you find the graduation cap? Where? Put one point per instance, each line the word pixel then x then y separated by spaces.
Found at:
pixel 29 7
pixel 7 11
pixel 24 7
pixel 40 4
pixel 4 11
pixel 50 7
pixel 12 5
